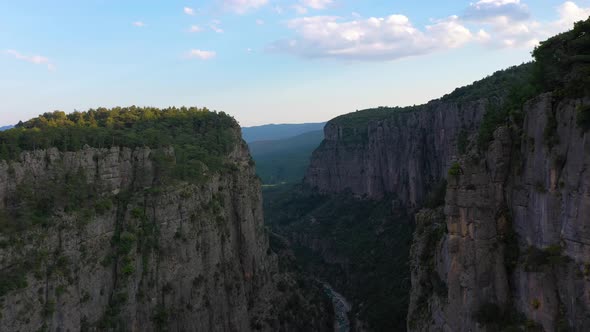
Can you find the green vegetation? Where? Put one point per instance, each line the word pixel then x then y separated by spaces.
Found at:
pixel 563 62
pixel 509 89
pixel 199 137
pixel 535 259
pixel 373 237
pixel 509 108
pixel 201 140
pixel 495 86
pixel 276 132
pixel 455 170
pixel 286 160
pixel 430 230
pixel 35 201
pixel 12 279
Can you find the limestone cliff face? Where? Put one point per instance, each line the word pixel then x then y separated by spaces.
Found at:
pixel 516 251
pixel 149 255
pixel 511 247
pixel 405 153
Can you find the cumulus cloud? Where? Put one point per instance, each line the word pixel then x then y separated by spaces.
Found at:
pixel 34 59
pixel 202 55
pixel 495 23
pixel 243 6
pixel 139 24
pixel 569 13
pixel 508 22
pixel 384 38
pixel 189 11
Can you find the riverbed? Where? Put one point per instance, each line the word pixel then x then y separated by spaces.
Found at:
pixel 341 309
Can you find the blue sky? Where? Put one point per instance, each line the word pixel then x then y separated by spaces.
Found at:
pixel 262 61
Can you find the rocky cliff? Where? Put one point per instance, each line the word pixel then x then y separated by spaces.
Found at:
pixel 516 252
pixel 506 247
pixel 405 153
pixel 99 239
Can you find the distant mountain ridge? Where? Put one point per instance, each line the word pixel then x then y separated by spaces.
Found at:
pixel 309 139
pixel 284 160
pixel 278 131
pixel 6 128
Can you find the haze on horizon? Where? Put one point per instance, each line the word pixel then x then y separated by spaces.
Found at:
pixel 262 61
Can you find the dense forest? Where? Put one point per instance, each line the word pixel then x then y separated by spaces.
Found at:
pixel 200 137
pixel 374 238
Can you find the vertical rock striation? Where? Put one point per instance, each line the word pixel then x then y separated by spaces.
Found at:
pixel 516 252
pixel 405 153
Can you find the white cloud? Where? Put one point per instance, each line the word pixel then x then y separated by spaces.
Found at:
pixel 304 5
pixel 139 24
pixel 510 25
pixel 388 38
pixel 495 23
pixel 35 59
pixel 195 28
pixel 494 10
pixel 509 22
pixel 569 13
pixel 316 4
pixel 189 11
pixel 259 22
pixel 243 6
pixel 202 55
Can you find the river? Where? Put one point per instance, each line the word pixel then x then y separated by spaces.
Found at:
pixel 341 309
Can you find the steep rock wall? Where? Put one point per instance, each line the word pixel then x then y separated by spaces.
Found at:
pixel 516 252
pixel 405 153
pixel 147 255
